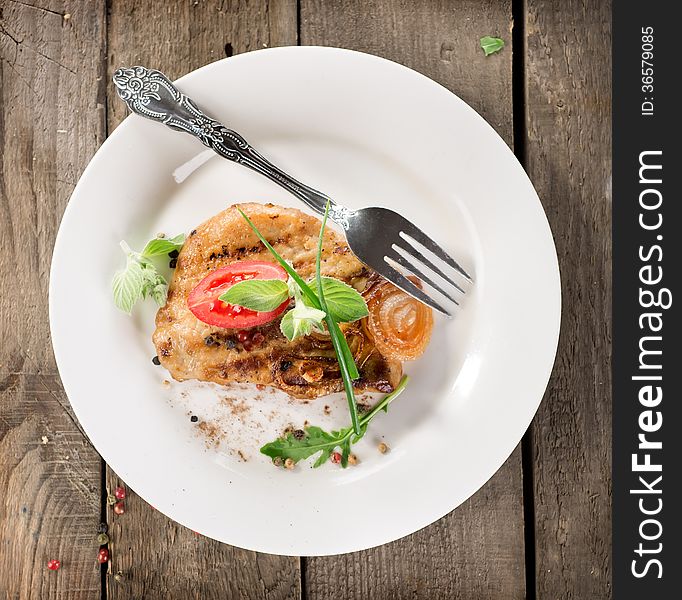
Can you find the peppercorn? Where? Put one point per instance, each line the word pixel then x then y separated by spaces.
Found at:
pixel 336 457
pixel 383 448
pixel 119 508
pixel 299 434
pixel 120 493
pixel 173 263
pixel 103 556
pixel 173 254
pixel 53 564
pixel 102 528
pixel 102 539
pixel 289 463
pixel 209 341
pixel 352 459
pixel 277 461
pixel 286 365
pixel 156 361
pixel 194 418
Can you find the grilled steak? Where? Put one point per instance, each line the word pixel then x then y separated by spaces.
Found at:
pixel 304 368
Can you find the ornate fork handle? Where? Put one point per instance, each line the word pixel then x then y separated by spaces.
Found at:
pixel 151 94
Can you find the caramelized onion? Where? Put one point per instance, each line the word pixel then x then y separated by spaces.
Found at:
pixel 399 325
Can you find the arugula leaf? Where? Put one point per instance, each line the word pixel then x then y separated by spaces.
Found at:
pixel 159 246
pixel 317 439
pixel 301 320
pixel 262 295
pixel 344 303
pixel 491 45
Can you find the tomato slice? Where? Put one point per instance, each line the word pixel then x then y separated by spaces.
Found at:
pixel 205 304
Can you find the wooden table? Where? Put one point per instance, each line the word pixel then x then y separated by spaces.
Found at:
pixel 540 528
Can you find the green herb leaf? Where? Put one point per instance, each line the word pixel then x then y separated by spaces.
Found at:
pixel 262 295
pixel 344 303
pixel 140 278
pixel 127 285
pixel 160 246
pixel 300 321
pixel 491 45
pixel 318 440
pixel 154 284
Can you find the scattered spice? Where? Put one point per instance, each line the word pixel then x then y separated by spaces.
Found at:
pixel 286 365
pixel 119 507
pixel 156 361
pixel 102 528
pixel 352 459
pixel 383 448
pixel 165 383
pixel 336 457
pixel 120 493
pixel 103 556
pixel 289 464
pixel 193 232
pixel 111 499
pixel 194 418
pixel 102 539
pixel 277 461
pixel 327 409
pixel 173 263
pixel 161 235
pixel 299 434
pixel 53 564
pixel 119 576
pixel 241 456
pixel 173 254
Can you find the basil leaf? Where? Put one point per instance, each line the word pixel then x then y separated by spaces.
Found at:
pixel 344 304
pixel 159 246
pixel 127 285
pixel 491 45
pixel 262 295
pixel 300 321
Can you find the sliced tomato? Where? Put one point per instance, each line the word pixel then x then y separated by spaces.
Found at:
pixel 205 304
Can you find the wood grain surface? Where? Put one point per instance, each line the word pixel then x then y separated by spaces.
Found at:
pixel 57 57
pixel 154 556
pixel 51 123
pixel 476 551
pixel 568 156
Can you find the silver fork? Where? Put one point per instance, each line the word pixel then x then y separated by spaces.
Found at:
pixel 379 237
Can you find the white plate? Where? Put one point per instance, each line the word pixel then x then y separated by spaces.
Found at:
pixel 368 132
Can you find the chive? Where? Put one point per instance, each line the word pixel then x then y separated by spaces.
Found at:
pixel 343 354
pixel 305 288
pixel 336 335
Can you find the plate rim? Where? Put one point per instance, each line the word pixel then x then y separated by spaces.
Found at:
pixel 127 123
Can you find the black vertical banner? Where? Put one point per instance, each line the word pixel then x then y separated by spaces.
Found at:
pixel 647 336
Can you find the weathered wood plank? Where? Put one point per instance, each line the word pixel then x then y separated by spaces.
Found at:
pixel 478 550
pixel 51 122
pixel 568 74
pixel 157 557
